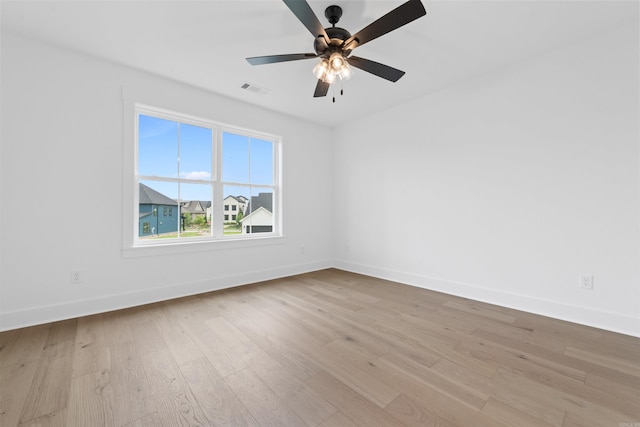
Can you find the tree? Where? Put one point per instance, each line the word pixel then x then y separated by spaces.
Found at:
pixel 187 219
pixel 239 218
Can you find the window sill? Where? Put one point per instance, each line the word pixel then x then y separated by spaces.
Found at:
pixel 199 246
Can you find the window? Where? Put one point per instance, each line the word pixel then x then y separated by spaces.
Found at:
pixel 183 162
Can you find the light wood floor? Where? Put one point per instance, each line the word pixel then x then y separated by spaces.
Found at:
pixel 328 348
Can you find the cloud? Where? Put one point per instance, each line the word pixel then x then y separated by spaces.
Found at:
pixel 201 175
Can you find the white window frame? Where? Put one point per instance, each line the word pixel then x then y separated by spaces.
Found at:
pixel 134 104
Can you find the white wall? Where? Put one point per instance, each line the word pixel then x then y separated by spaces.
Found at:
pixel 513 185
pixel 62 186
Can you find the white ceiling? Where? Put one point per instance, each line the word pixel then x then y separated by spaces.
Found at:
pixel 204 43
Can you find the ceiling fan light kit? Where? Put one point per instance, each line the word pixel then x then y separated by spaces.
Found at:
pixel 334 45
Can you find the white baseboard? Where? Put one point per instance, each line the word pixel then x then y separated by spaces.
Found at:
pixel 609 321
pixel 585 316
pixel 53 313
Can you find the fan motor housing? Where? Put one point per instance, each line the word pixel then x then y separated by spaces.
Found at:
pixel 337 36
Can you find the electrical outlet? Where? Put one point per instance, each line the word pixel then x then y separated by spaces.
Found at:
pixel 76 276
pixel 586 282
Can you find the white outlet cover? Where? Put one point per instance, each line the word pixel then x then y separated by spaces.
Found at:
pixel 586 282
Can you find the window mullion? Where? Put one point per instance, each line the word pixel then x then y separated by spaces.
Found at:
pixel 218 189
pixel 179 186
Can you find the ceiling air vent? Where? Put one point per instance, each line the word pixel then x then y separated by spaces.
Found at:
pixel 254 88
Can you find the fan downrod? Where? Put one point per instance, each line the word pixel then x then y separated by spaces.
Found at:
pixel 333 14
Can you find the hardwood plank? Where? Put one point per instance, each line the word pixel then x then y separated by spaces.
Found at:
pixel 469 396
pixel 261 401
pixel 91 400
pixel 15 383
pixel 171 393
pixel 49 391
pixel 54 419
pixel 25 345
pixel 534 401
pixel 7 341
pixel 500 355
pixel 116 328
pixel 309 406
pixel 409 412
pixel 176 337
pixel 573 384
pixel 234 342
pixel 431 401
pixel 132 397
pixel 357 408
pixel 630 365
pixel 321 334
pixel 337 420
pixel 283 350
pixel 548 401
pixel 511 415
pixel 481 310
pixel 91 353
pixel 216 399
pixel 210 345
pixel 147 337
pixel 627 395
pixel 536 355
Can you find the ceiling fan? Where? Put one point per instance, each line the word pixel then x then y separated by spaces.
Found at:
pixel 334 45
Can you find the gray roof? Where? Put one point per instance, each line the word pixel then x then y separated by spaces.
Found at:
pixel 196 206
pixel 149 196
pixel 262 200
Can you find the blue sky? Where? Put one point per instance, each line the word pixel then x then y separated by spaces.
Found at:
pixel 245 160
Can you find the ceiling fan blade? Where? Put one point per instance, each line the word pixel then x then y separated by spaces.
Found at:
pixel 321 89
pixel 402 15
pixel 271 59
pixel 305 14
pixel 376 68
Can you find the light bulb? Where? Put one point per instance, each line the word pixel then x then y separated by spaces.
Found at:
pixel 337 61
pixel 321 69
pixel 346 72
pixel 330 77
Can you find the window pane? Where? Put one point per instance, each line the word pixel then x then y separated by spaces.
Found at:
pixel 236 200
pixel 195 152
pixel 235 158
pixel 195 210
pixel 261 162
pixel 157 147
pixel 157 209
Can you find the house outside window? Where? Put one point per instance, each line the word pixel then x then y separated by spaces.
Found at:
pixel 202 169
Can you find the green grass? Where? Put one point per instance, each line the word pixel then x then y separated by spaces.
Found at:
pixel 229 229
